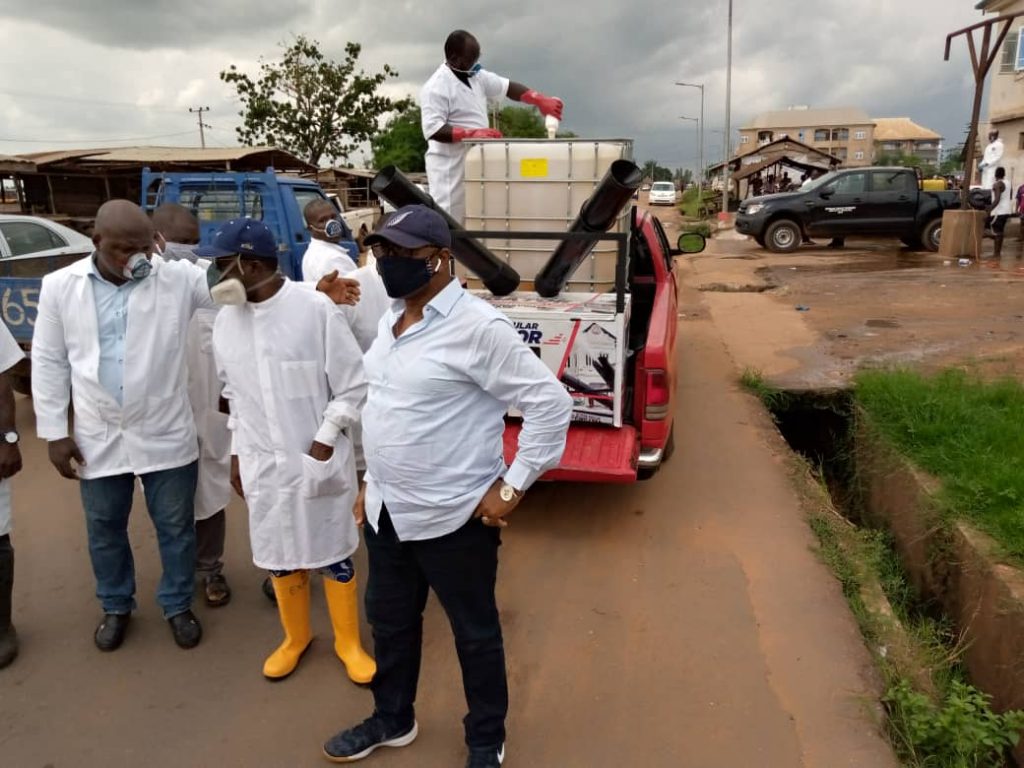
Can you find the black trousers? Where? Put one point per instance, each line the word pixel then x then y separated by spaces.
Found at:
pixel 461 568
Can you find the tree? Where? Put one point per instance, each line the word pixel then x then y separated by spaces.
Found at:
pixel 521 123
pixel 310 105
pixel 682 177
pixel 401 143
pixel 656 172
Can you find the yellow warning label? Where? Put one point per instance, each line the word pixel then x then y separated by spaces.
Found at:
pixel 533 167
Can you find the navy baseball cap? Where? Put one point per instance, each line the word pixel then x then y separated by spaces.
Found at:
pixel 248 237
pixel 413 226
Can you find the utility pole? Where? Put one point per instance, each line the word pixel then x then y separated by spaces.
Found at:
pixel 700 135
pixel 728 117
pixel 700 176
pixel 198 111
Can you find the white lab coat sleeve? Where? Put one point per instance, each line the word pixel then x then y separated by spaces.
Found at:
pixel 51 369
pixel 10 352
pixel 198 289
pixel 434 110
pixel 495 86
pixel 344 369
pixel 509 371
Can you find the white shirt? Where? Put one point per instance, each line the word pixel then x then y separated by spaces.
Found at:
pixel 364 317
pixel 446 100
pixel 322 258
pixel 1005 205
pixel 154 428
pixel 10 355
pixel 434 417
pixel 293 374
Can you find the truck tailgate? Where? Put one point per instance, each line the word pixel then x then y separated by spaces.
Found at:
pixel 593 454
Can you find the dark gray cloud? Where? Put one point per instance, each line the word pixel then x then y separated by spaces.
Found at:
pixel 614 63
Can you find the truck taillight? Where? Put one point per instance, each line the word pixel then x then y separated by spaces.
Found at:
pixel 656 396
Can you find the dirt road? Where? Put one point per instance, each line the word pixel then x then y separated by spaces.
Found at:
pixel 684 622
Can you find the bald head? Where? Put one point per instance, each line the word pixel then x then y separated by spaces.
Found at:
pixel 121 230
pixel 315 210
pixel 176 223
pixel 122 217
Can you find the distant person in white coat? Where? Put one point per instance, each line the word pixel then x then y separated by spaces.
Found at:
pixel 991 159
pixel 331 245
pixel 453 103
pixel 293 375
pixel 177 237
pixel 111 337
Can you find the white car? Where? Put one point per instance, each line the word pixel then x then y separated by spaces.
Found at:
pixel 663 193
pixel 34 236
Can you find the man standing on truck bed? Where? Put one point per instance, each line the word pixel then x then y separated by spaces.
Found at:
pixel 444 370
pixel 454 107
pixel 179 229
pixel 110 335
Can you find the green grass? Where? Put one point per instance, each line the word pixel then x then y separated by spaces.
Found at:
pixel 967 433
pixel 690 202
pixel 774 399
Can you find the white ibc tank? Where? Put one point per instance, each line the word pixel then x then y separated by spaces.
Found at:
pixel 539 185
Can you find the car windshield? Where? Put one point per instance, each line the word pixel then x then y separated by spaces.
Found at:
pixel 663 186
pixel 818 182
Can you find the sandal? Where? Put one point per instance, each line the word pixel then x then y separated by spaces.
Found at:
pixel 218 593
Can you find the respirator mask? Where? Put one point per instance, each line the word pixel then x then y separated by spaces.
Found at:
pixel 138 267
pixel 471 72
pixel 231 291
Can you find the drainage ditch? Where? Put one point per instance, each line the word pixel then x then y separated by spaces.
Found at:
pixel 920 653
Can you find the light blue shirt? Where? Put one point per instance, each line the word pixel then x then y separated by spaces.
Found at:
pixel 433 423
pixel 112 323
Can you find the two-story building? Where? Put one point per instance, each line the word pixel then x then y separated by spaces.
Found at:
pixel 902 136
pixel 843 132
pixel 1006 91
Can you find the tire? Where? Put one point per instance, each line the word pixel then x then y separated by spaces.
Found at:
pixel 783 236
pixel 931 233
pixel 913 243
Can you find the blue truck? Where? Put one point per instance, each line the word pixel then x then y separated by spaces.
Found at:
pixel 214 197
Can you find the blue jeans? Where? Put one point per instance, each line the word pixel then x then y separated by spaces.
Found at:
pixel 170 498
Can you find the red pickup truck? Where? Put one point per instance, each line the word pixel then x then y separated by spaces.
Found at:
pixel 603 454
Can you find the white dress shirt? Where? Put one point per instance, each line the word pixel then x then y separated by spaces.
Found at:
pixel 153 428
pixel 322 258
pixel 434 416
pixel 10 356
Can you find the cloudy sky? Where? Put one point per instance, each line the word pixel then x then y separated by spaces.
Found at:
pixel 108 72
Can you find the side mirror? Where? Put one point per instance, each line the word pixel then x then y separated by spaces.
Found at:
pixel 825 194
pixel 690 244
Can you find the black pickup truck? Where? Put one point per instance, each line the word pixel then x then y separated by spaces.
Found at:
pixel 871 202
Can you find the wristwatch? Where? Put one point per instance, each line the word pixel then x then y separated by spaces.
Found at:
pixel 11 437
pixel 508 492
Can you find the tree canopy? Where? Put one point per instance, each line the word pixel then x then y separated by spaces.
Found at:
pixel 309 105
pixel 401 142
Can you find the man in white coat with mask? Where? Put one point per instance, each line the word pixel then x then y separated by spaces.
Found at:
pixel 453 103
pixel 177 237
pixel 293 375
pixel 991 159
pixel 110 337
pixel 331 245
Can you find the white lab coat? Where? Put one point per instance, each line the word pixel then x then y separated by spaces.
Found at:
pixel 322 258
pixel 364 317
pixel 154 429
pixel 293 373
pixel 444 99
pixel 10 355
pixel 989 163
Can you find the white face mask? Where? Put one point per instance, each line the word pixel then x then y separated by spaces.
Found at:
pixel 138 267
pixel 231 291
pixel 179 252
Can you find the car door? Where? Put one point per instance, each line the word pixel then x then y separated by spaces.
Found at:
pixel 837 207
pixel 892 202
pixel 25 238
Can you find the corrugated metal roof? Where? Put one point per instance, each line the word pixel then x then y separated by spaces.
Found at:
pixel 16 164
pixel 809 118
pixel 902 129
pixel 166 155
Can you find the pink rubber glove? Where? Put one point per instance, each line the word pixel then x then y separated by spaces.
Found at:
pixel 548 105
pixel 461 134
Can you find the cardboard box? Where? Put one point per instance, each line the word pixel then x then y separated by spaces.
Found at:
pixel 582 341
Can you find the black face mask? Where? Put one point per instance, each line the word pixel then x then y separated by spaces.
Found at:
pixel 403 276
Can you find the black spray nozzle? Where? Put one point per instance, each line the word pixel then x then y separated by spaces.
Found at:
pixel 596 216
pixel 500 278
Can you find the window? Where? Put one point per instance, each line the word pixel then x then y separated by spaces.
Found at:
pixel 840 134
pixel 860 135
pixel 1011 54
pixel 744 139
pixel 305 195
pixel 891 181
pixel 821 134
pixel 220 203
pixel 1020 142
pixel 858 156
pixel 840 152
pixel 24 237
pixel 764 137
pixel 850 184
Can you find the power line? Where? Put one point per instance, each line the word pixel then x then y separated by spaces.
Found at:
pixel 85 100
pixel 91 139
pixel 198 112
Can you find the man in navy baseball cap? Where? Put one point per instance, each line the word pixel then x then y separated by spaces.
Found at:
pixel 244 237
pixel 413 226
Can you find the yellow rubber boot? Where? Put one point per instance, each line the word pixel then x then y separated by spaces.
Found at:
pixel 293 606
pixel 343 604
